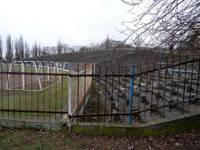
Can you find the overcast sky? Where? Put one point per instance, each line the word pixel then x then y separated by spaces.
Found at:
pixel 75 22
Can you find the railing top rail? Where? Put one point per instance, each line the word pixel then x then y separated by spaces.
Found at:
pixel 167 66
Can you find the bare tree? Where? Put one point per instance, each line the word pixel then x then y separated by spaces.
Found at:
pixel 9 48
pixel 192 40
pixel 21 46
pixel 53 50
pixel 46 51
pixel 35 50
pixel 162 22
pixel 26 50
pixel 108 43
pixel 39 51
pixel 1 49
pixel 17 49
pixel 59 47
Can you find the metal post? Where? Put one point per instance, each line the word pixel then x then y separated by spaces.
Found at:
pixel 69 102
pixel 23 76
pixel 131 96
pixel 48 71
pixel 69 96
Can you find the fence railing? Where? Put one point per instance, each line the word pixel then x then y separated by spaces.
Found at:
pixel 111 93
pixel 166 89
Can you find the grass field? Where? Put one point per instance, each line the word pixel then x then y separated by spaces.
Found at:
pixel 53 98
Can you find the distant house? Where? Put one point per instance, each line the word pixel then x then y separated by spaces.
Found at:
pixel 119 44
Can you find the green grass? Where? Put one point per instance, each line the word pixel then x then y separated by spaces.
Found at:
pixel 53 98
pixel 49 99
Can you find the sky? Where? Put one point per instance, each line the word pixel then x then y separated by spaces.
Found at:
pixel 75 22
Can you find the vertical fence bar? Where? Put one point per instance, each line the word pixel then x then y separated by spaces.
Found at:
pixel 125 93
pixel 119 84
pixel 98 95
pixel 69 96
pixel 49 100
pixel 159 86
pixel 56 89
pixel 31 95
pixel 152 89
pixel 43 93
pixel 77 100
pixel 93 76
pixel 20 82
pixel 197 86
pixel 112 86
pixel 38 97
pixel 62 78
pixel 166 75
pixel 172 76
pixel 131 97
pixel 85 72
pixel 8 75
pixel 23 76
pixel 26 80
pixel 14 98
pixel 185 82
pixel 2 92
pixel 140 85
pixel 105 98
pixel 85 82
pixel 191 79
pixel 178 86
pixel 146 89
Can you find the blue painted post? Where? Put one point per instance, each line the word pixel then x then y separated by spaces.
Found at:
pixel 131 96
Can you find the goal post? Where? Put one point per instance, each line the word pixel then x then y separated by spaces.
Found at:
pixel 27 75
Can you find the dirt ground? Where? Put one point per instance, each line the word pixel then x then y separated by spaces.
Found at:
pixel 48 140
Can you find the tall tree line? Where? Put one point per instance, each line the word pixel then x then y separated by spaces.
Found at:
pixel 18 49
pixel 9 48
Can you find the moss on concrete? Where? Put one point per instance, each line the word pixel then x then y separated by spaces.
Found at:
pixel 165 128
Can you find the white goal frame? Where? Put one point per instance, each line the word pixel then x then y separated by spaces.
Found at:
pixel 52 67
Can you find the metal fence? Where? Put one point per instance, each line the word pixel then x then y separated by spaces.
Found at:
pixel 144 92
pixel 111 93
pixel 33 91
pixel 41 90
